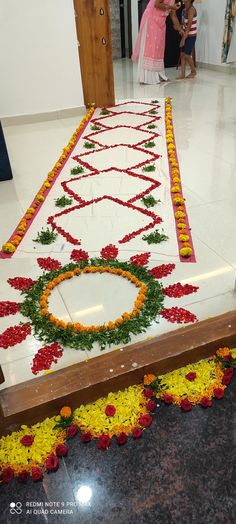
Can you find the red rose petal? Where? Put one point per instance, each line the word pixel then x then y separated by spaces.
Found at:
pixel 178 315
pixel 45 357
pixel 20 283
pixel 109 252
pixel 162 271
pixel 49 264
pixel 8 308
pixel 140 260
pixel 79 255
pixel 14 335
pixel 178 290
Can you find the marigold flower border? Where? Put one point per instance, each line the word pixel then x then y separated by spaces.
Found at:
pixel 9 248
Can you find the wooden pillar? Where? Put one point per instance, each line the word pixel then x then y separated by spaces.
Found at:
pixel 95 51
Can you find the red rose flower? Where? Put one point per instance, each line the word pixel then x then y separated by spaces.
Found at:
pixel 191 376
pixel 52 463
pixel 121 439
pixel 205 402
pixel 145 420
pixel 86 436
pixel 36 474
pixel 110 410
pixel 140 260
pixel 168 399
pixel 21 283
pixel 79 255
pixel 50 264
pixel 23 476
pixel 104 442
pixel 61 450
pixel 72 430
pixel 228 357
pixel 186 405
pixel 228 375
pixel 137 433
pixel 151 405
pixel 109 252
pixel 27 440
pixel 7 474
pixel 218 393
pixel 148 393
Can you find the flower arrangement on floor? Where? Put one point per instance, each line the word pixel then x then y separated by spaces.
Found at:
pixel 30 452
pixel 11 245
pixel 182 226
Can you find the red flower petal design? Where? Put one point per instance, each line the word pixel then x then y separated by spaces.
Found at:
pixel 46 357
pixel 79 255
pixel 109 252
pixel 178 315
pixel 14 335
pixel 8 308
pixel 49 264
pixel 179 290
pixel 21 283
pixel 140 260
pixel 162 271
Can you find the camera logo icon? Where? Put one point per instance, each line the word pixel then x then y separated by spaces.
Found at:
pixel 16 507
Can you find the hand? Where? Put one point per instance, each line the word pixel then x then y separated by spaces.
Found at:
pixel 177 6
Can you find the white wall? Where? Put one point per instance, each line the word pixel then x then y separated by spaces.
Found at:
pixel 211 15
pixel 39 61
pixel 134 18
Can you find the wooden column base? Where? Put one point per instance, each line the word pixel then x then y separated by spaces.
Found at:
pixel 81 383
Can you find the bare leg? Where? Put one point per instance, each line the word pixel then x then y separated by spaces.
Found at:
pixel 183 66
pixel 190 61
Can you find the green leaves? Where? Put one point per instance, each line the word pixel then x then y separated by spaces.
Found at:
pixel 149 145
pixel 89 145
pixel 63 201
pixel 149 169
pixel 76 170
pixel 95 127
pixel 46 236
pixel 150 201
pixel 155 237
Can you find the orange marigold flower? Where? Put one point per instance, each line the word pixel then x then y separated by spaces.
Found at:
pixel 148 379
pixel 223 352
pixel 65 412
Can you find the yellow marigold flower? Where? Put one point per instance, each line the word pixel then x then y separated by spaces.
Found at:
pixel 186 252
pixel 223 352
pixel 40 197
pixel 183 238
pixel 180 214
pixel 175 189
pixel 8 247
pixel 181 226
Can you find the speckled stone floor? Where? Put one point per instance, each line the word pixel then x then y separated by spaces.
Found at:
pixel 181 472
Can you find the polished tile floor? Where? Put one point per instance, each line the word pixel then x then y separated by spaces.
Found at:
pixel 204 119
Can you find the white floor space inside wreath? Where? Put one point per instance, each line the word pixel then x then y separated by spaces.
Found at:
pixel 205 132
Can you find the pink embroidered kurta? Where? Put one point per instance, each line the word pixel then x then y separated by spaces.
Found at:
pixel 153 26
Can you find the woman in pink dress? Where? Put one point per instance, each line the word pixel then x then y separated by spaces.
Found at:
pixel 150 46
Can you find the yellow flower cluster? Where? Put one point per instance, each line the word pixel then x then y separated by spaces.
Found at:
pixel 77 327
pixel 129 404
pixel 208 377
pixel 19 457
pixel 11 245
pixel 178 200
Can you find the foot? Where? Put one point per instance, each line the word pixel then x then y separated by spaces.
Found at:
pixel 180 78
pixel 192 74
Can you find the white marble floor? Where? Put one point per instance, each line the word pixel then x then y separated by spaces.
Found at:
pixel 205 131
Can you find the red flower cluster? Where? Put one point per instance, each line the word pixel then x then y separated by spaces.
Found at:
pixel 61 450
pixel 148 393
pixel 145 420
pixel 191 376
pixel 168 399
pixel 110 410
pixel 72 430
pixel 86 436
pixel 162 271
pixel 36 474
pixel 137 433
pixel 104 442
pixel 21 283
pixel 8 308
pixel 109 252
pixel 23 476
pixel 7 474
pixel 14 335
pixel 49 264
pixel 228 375
pixel 79 255
pixel 178 315
pixel 140 260
pixel 151 405
pixel 45 357
pixel 178 290
pixel 27 440
pixel 205 402
pixel 52 463
pixel 186 405
pixel 121 439
pixel 218 393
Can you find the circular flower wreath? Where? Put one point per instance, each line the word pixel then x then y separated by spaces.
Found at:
pixel 48 328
